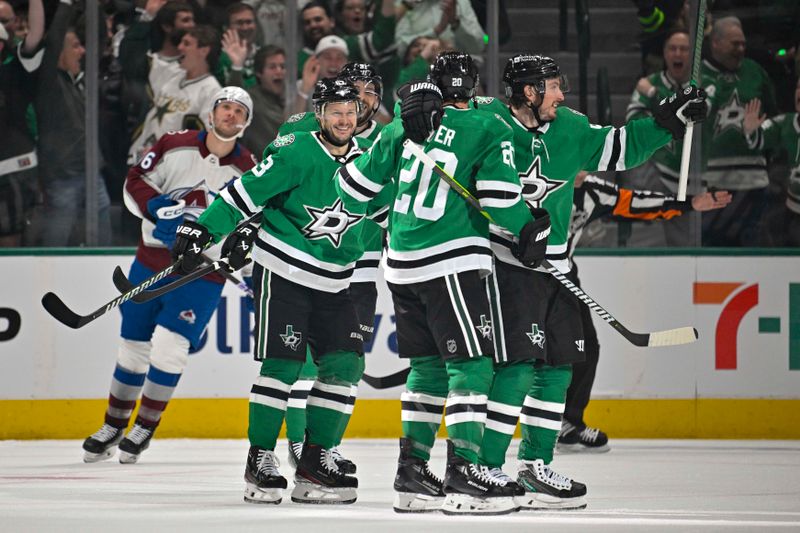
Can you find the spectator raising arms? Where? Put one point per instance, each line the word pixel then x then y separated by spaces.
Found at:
pixel 239 47
pixel 180 92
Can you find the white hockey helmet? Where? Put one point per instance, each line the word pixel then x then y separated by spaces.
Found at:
pixel 236 95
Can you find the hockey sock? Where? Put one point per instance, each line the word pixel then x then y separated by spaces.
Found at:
pixel 296 408
pixel 511 382
pixel 125 388
pixel 423 403
pixel 329 399
pixel 465 415
pixel 268 399
pixel 542 410
pixel 351 402
pixel 158 389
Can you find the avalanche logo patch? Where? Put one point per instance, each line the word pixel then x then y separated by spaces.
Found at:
pixel 291 338
pixel 330 222
pixel 187 316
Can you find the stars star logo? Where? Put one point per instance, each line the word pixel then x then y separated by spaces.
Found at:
pixel 535 185
pixel 485 327
pixel 291 338
pixel 330 222
pixel 161 111
pixel 536 335
pixel 730 116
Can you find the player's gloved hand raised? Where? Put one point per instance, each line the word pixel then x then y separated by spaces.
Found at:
pixel 168 215
pixel 239 245
pixel 421 109
pixel 191 239
pixel 532 247
pixel 684 106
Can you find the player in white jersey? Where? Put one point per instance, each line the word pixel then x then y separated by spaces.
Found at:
pixel 174 181
pixel 181 91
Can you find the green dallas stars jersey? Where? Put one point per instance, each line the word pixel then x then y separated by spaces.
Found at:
pixel 549 158
pixel 433 231
pixel 783 132
pixel 730 163
pixel 306 235
pixel 667 159
pixel 372 234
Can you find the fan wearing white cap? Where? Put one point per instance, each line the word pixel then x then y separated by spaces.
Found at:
pixel 329 57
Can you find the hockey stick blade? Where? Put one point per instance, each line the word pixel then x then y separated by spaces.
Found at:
pixel 670 337
pixel 59 310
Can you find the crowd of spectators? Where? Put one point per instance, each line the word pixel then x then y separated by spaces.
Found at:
pixel 161 59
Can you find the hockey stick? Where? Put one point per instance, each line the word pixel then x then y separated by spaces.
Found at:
pixel 700 20
pixel 670 337
pixel 123 284
pixel 59 310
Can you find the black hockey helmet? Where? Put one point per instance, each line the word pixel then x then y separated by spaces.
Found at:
pixel 365 72
pixel 455 74
pixel 524 69
pixel 337 89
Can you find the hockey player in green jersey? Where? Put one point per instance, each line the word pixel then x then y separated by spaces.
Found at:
pixel 362 287
pixel 438 254
pixel 781 132
pixel 538 333
pixel 305 253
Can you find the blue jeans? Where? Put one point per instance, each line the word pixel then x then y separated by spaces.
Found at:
pixel 65 199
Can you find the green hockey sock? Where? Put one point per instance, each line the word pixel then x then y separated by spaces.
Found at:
pixel 328 401
pixel 296 408
pixel 351 402
pixel 511 382
pixel 465 415
pixel 423 403
pixel 542 412
pixel 268 399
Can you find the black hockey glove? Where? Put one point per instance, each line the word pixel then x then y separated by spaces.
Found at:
pixel 191 239
pixel 532 247
pixel 239 245
pixel 421 109
pixel 675 111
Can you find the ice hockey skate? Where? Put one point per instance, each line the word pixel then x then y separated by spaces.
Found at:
pixel 319 480
pixel 417 489
pixel 586 440
pixel 345 465
pixel 135 442
pixel 471 489
pixel 263 482
pixel 546 489
pixel 102 444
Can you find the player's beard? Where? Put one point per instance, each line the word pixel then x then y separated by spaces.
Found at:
pixel 328 134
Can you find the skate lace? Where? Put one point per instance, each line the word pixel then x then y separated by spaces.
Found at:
pixel 105 433
pixel 337 455
pixel 139 434
pixel 297 448
pixel 329 461
pixel 551 477
pixel 566 428
pixel 498 474
pixel 590 434
pixel 485 475
pixel 427 473
pixel 268 463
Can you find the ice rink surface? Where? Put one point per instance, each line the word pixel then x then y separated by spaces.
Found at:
pixel 197 486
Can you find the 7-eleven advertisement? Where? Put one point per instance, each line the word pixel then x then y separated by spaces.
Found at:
pixel 746 309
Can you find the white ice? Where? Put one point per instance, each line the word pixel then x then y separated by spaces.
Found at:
pixel 196 486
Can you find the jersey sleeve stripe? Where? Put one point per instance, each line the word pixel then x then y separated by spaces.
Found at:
pixel 491 185
pixel 381 217
pixel 240 198
pixel 352 179
pixel 611 149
